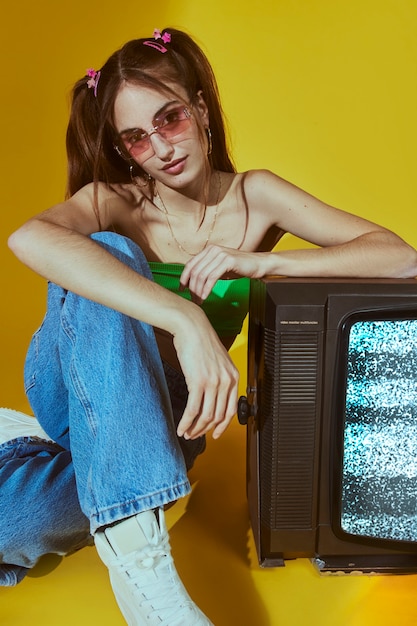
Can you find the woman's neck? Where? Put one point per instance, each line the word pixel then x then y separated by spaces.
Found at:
pixel 190 203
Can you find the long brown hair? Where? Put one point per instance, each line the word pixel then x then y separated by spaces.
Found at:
pixel 91 134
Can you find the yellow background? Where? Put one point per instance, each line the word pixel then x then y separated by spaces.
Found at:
pixel 323 92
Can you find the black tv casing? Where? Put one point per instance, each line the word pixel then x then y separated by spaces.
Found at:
pixel 293 454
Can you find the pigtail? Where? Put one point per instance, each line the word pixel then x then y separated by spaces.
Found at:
pixel 198 74
pixel 90 141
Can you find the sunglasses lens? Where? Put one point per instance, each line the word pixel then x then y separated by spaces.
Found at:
pixel 135 144
pixel 173 123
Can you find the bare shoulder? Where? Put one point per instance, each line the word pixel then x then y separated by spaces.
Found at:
pixel 102 193
pixel 109 197
pixel 268 192
pixel 91 208
pixel 263 183
pixel 267 196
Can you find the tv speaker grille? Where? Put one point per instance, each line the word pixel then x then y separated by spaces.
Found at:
pixel 288 428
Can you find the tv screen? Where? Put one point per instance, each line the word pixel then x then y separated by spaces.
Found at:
pixel 379 461
pixel 331 413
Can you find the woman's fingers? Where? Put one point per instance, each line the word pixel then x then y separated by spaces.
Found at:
pixel 213 392
pixel 202 272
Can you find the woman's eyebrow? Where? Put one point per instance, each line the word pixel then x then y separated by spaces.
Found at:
pixel 157 114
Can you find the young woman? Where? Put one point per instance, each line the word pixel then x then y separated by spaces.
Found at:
pixel 148 262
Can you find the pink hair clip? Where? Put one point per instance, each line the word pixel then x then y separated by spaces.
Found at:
pixel 166 38
pixel 93 79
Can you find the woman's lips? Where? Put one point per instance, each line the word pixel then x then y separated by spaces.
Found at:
pixel 176 167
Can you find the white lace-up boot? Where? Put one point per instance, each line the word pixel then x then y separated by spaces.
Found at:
pixel 16 424
pixel 142 573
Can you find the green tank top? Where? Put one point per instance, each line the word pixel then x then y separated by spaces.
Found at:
pixel 227 305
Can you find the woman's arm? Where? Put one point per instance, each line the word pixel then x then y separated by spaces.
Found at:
pixel 349 246
pixel 56 245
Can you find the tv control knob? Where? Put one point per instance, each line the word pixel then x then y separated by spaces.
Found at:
pixel 243 410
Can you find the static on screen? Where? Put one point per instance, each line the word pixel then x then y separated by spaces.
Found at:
pixel 379 478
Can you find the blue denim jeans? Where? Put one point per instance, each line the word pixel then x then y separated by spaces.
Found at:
pixel 97 385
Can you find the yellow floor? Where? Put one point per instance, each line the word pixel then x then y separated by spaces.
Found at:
pixel 215 554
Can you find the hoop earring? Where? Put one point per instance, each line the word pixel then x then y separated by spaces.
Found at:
pixel 210 141
pixel 133 178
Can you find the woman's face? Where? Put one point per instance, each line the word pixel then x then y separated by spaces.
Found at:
pixel 161 133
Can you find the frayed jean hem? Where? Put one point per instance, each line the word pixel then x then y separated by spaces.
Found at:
pixel 124 510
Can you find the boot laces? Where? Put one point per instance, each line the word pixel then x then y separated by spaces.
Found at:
pixel 153 580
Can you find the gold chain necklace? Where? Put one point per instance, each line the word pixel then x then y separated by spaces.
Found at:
pixel 213 224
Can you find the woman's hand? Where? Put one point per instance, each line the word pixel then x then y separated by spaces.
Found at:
pixel 211 377
pixel 215 262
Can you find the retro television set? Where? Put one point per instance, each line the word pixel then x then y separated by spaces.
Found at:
pixel 331 413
